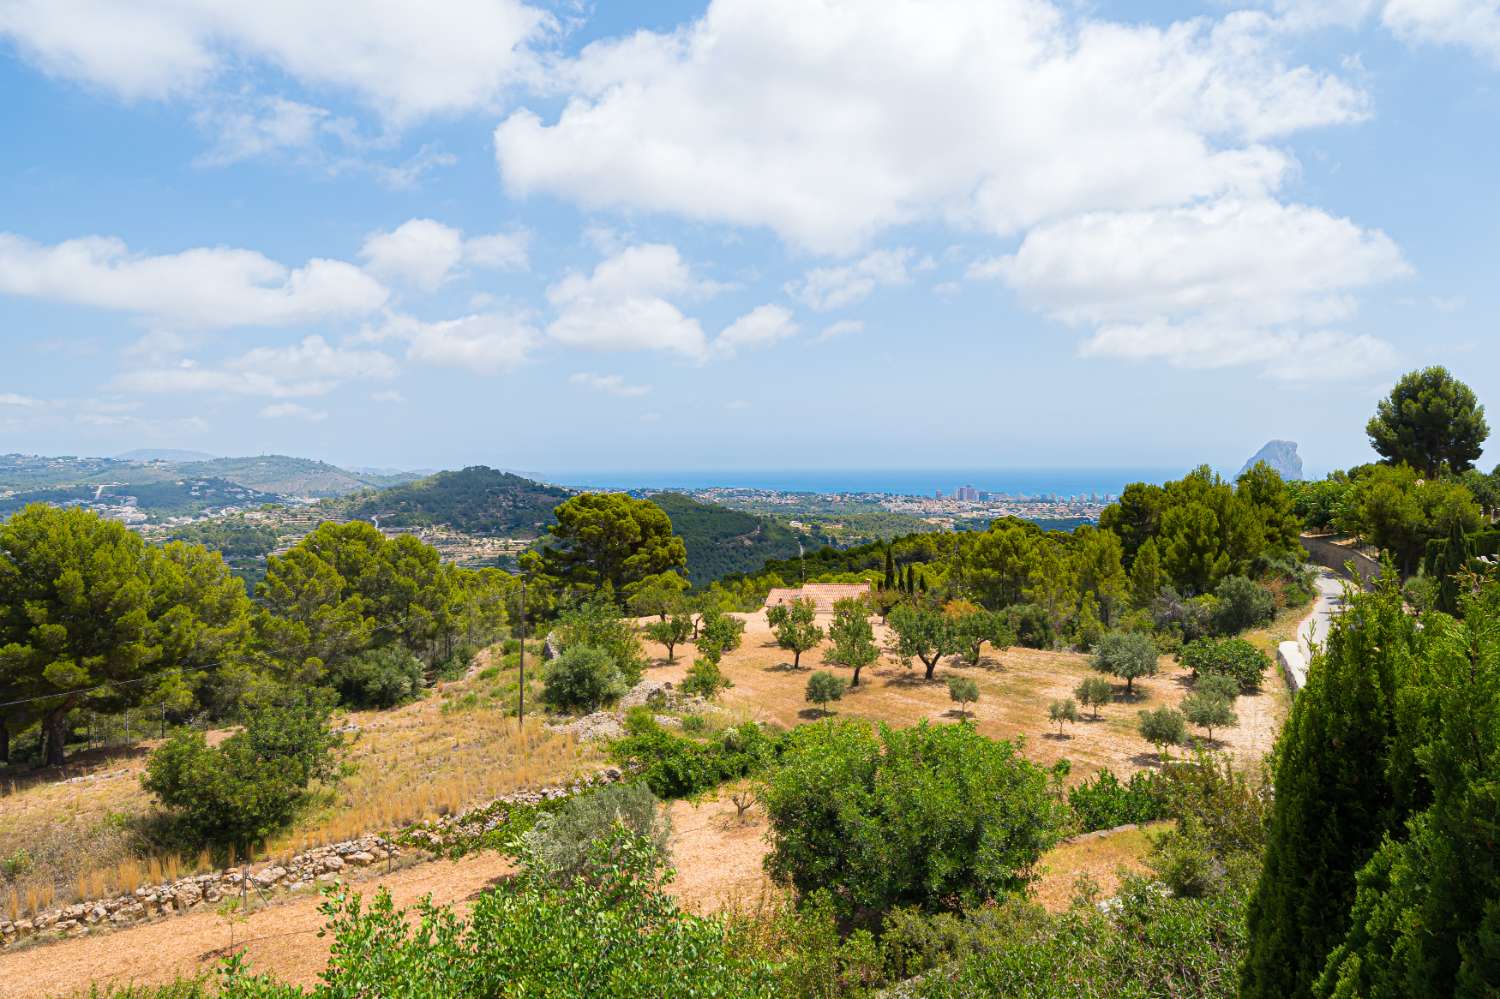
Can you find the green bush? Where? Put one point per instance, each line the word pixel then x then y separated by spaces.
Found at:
pixel 1243 603
pixel 674 766
pixel 379 678
pixel 823 687
pixel 583 678
pixel 1104 802
pixel 694 724
pixel 454 666
pixel 617 934
pixel 596 624
pixel 704 679
pixel 1231 657
pixel 931 816
pixel 1031 625
pixel 253 783
pixel 561 846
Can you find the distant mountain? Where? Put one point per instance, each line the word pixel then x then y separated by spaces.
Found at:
pixel 721 541
pixel 1280 455
pixel 277 473
pixel 476 500
pixel 151 501
pixel 165 454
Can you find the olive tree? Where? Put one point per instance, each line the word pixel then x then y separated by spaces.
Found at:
pixel 1127 655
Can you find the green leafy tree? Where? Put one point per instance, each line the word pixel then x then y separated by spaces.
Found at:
pixel 704 679
pixel 1128 655
pixel 657 596
pixel 852 636
pixel 1163 727
pixel 670 632
pixel 824 687
pixel 1209 710
pixel 562 847
pixel 607 542
pixel 251 785
pixel 798 630
pixel 973 626
pixel 1430 421
pixel 963 691
pixel 1095 692
pixel 1339 784
pixel 719 633
pixel 1232 657
pixel 923 632
pixel 936 817
pixel 1394 509
pixel 1243 603
pixel 82 626
pixel 584 678
pixel 596 624
pixel 1062 711
pixel 379 678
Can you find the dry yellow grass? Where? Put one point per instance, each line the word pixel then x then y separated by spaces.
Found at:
pixel 1101 857
pixel 1015 687
pixel 408 764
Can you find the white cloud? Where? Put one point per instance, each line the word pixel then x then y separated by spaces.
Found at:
pixel 760 327
pixel 486 343
pixel 830 123
pixel 843 327
pixel 260 126
pixel 207 287
pixel 1474 24
pixel 426 253
pixel 293 411
pixel 609 384
pixel 405 60
pixel 1233 282
pixel 390 396
pixel 19 401
pixel 826 288
pixel 622 305
pixel 311 367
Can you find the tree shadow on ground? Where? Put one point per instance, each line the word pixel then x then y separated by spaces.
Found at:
pixel 913 678
pixel 1147 761
pixel 813 714
pixel 1058 736
pixel 783 667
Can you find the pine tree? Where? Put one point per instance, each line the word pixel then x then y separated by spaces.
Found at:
pixel 1335 796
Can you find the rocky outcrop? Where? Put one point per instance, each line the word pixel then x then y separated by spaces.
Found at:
pixel 1280 455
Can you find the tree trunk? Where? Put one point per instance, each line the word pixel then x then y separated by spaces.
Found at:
pixel 55 729
pixel 930 666
pixel 856 677
pixel 796 659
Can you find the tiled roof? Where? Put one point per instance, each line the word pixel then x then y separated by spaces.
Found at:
pixel 824 595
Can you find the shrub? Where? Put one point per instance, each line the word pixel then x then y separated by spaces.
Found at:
pixel 963 690
pixel 1163 727
pixel 1191 617
pixel 1031 625
pixel 694 724
pixel 1095 692
pixel 1243 603
pixel 560 846
pixel 455 666
pixel 583 678
pixel 1103 802
pixel 1062 711
pixel 253 783
pixel 704 679
pixel 1127 655
pixel 674 766
pixel 379 678
pixel 1209 709
pixel 930 816
pixel 718 633
pixel 1232 657
pixel 823 687
pixel 596 624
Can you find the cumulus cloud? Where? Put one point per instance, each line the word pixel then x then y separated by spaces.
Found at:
pixel 1470 24
pixel 425 253
pixel 623 304
pixel 826 288
pixel 995 116
pixel 311 367
pixel 843 327
pixel 207 287
pixel 293 411
pixel 1232 282
pixel 486 343
pixel 760 327
pixel 405 60
pixel 609 385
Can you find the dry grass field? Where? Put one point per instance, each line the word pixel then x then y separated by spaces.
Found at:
pixel 1015 686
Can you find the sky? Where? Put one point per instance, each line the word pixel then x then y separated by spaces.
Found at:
pixel 803 234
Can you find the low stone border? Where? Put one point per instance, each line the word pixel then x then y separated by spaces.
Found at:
pixel 320 865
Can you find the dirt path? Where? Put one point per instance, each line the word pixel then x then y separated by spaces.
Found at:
pixel 282 938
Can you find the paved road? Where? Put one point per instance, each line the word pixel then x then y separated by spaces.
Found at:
pixel 1313 631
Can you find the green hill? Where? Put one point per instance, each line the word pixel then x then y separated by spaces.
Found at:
pixel 476 500
pixel 277 473
pixel 721 541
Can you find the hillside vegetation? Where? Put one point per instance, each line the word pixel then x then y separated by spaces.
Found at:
pixel 476 500
pixel 720 541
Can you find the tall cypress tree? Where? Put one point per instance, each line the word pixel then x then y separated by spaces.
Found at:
pixel 1455 559
pixel 1335 795
pixel 890 570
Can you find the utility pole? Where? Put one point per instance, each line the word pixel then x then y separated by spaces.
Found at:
pixel 521 712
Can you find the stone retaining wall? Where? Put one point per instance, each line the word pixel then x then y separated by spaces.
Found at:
pixel 1326 551
pixel 303 871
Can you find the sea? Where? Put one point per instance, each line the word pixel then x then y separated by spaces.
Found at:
pixel 1032 482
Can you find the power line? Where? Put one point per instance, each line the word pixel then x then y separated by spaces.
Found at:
pixel 108 683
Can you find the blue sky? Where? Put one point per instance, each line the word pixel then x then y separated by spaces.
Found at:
pixel 743 234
